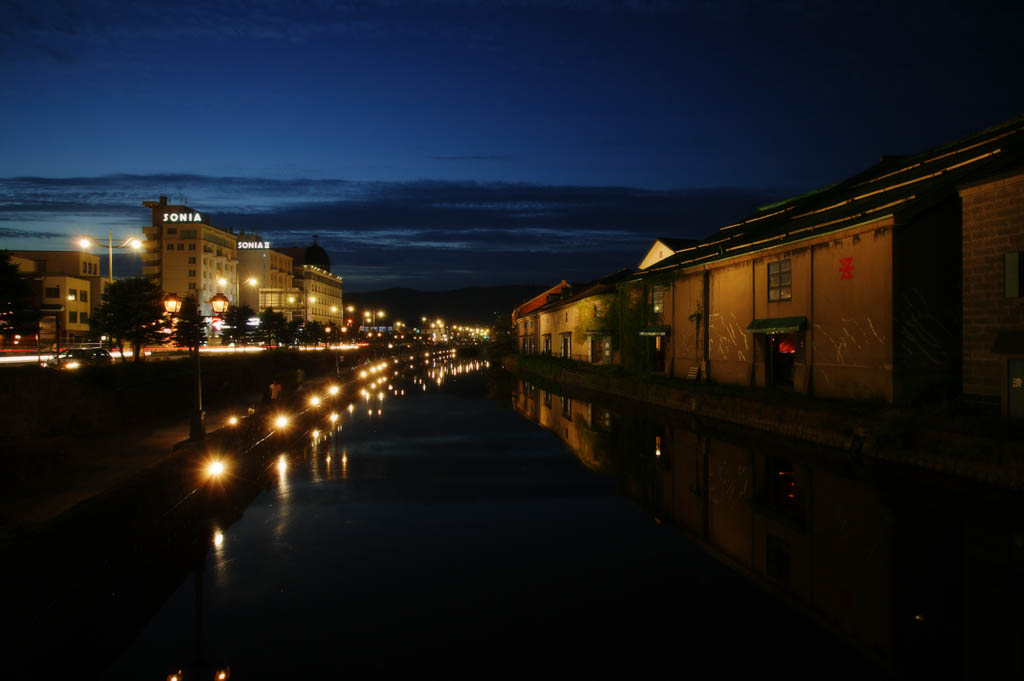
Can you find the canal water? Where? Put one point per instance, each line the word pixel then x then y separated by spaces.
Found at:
pixel 460 522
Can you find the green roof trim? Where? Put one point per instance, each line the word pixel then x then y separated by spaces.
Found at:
pixel 661 330
pixel 778 325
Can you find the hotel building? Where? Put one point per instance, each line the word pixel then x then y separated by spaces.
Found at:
pixel 186 255
pixel 319 289
pixel 265 278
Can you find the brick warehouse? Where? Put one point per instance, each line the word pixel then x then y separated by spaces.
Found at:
pixel 863 289
pixel 853 290
pixel 993 285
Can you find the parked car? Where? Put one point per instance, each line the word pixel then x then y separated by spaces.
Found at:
pixel 73 358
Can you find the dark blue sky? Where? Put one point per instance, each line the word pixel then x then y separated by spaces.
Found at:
pixel 458 143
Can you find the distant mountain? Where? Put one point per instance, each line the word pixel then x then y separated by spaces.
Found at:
pixel 478 305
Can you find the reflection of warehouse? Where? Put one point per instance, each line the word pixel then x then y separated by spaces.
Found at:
pixel 189 257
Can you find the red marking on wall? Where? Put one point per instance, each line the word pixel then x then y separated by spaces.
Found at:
pixel 846 268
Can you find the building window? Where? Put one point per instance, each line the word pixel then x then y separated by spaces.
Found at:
pixel 170 247
pixel 172 230
pixel 191 285
pixel 780 280
pixel 83 295
pixel 658 299
pixel 192 273
pixel 83 317
pixel 72 317
pixel 191 260
pixel 1013 275
pixel 52 292
pixel 72 294
pixel 192 247
pixel 188 234
pixel 567 345
pixel 547 344
pixel 181 247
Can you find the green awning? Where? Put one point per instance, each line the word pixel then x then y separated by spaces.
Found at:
pixel 778 325
pixel 655 331
pixel 597 332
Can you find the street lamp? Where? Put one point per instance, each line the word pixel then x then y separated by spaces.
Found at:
pixel 172 305
pixel 132 242
pixel 219 303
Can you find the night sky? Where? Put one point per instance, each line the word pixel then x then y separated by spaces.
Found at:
pixel 458 143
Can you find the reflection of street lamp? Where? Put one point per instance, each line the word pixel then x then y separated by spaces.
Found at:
pixel 86 241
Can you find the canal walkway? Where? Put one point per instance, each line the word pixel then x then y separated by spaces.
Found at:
pixel 108 463
pixel 95 466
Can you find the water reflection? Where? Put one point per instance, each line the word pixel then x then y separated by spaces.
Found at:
pixel 922 573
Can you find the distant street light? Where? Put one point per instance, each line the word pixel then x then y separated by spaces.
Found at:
pixel 86 241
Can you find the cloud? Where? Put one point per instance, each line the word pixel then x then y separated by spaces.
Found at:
pixel 494 157
pixel 421 233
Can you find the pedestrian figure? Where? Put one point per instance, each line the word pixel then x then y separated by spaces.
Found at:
pixel 275 390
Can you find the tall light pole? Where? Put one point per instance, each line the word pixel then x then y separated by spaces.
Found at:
pixel 132 242
pixel 172 305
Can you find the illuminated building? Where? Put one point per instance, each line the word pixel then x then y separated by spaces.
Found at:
pixel 186 255
pixel 265 278
pixel 850 291
pixel 67 286
pixel 320 290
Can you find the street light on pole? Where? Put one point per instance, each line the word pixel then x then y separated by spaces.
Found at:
pixel 172 305
pixel 86 241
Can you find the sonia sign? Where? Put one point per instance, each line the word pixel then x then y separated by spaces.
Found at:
pixel 182 217
pixel 252 245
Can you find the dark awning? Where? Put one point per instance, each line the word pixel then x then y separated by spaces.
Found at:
pixel 778 325
pixel 1009 342
pixel 655 331
pixel 597 332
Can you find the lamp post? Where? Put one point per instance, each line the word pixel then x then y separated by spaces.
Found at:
pixel 172 305
pixel 87 241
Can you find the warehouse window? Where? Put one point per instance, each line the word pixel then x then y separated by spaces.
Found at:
pixel 1013 275
pixel 780 280
pixel 658 300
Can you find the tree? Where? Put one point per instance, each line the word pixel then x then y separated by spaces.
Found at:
pixel 273 327
pixel 18 313
pixel 130 310
pixel 236 324
pixel 311 333
pixel 189 327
